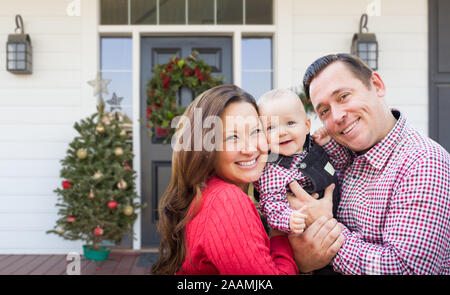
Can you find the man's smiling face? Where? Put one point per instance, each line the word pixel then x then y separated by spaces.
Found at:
pixel 350 111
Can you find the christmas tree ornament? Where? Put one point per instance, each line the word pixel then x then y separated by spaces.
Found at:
pixel 128 210
pixel 70 219
pixel 112 205
pixel 98 231
pixel 97 175
pixel 100 129
pixel 66 184
pixel 99 84
pixel 91 194
pixel 82 153
pixel 126 166
pixel 122 185
pixel 118 151
pixel 59 229
pixel 114 102
pixel 123 133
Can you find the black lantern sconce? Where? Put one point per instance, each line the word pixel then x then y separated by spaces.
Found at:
pixel 19 51
pixel 365 45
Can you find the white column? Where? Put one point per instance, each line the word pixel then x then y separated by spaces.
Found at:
pixel 136 51
pixel 237 58
pixel 283 55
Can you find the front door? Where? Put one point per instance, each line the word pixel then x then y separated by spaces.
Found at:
pixel 156 157
pixel 439 71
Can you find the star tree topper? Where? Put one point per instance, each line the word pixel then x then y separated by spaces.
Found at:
pixel 99 85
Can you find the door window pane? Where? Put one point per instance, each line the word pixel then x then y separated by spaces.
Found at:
pixel 114 12
pixel 143 12
pixel 257 53
pixel 257 83
pixel 116 64
pixel 229 12
pixel 258 12
pixel 116 54
pixel 172 12
pixel 201 12
pixel 257 65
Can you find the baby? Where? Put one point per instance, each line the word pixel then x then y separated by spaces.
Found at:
pixel 294 157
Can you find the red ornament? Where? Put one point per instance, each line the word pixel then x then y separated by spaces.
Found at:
pixel 66 184
pixel 112 205
pixel 126 166
pixel 70 219
pixel 98 231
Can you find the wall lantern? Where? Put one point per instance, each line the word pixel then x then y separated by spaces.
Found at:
pixel 365 44
pixel 19 51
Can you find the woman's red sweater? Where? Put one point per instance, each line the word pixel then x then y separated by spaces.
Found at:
pixel 228 237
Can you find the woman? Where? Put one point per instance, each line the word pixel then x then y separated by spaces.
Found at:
pixel 208 224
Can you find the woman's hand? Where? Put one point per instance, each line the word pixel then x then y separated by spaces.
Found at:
pixel 309 205
pixel 317 245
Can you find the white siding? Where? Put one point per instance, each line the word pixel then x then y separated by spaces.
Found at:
pixel 37 113
pixel 327 26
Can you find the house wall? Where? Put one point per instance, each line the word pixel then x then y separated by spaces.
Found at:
pixel 327 26
pixel 37 112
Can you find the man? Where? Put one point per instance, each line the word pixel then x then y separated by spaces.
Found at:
pixel 395 192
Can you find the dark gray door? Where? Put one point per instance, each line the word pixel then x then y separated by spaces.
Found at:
pixel 156 157
pixel 439 71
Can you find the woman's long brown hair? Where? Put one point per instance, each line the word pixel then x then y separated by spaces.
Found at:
pixel 190 171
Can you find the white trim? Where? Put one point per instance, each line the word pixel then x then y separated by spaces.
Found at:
pixel 237 58
pixel 283 44
pixel 136 51
pixel 187 29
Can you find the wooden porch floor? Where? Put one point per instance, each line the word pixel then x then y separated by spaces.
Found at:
pixel 118 263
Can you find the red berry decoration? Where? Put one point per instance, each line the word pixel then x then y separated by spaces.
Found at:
pixel 98 231
pixel 112 205
pixel 66 184
pixel 70 219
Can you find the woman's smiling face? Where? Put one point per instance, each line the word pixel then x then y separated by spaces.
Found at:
pixel 244 148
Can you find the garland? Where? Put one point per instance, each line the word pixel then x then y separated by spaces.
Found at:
pixel 162 90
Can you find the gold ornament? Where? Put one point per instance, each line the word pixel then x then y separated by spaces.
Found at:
pixel 123 133
pixel 98 175
pixel 128 210
pixel 100 129
pixel 118 151
pixel 122 185
pixel 59 229
pixel 91 194
pixel 82 154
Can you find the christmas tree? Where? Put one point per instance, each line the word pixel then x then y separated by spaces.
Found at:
pixel 97 200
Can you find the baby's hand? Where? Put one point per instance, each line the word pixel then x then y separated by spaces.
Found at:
pixel 321 136
pixel 297 222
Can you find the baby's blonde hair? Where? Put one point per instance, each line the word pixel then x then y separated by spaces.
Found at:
pixel 274 93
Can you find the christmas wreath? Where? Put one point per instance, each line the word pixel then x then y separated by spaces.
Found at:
pixel 162 90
